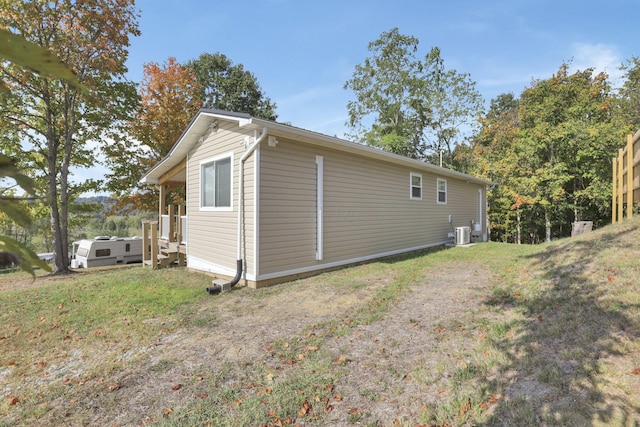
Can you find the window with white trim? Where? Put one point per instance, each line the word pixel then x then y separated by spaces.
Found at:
pixel 215 183
pixel 415 186
pixel 442 191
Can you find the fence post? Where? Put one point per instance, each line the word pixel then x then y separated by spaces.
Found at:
pixel 629 176
pixel 614 194
pixel 620 186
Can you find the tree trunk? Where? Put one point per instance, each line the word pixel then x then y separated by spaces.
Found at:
pixel 547 225
pixel 57 200
pixel 518 227
pixel 69 130
pixel 58 241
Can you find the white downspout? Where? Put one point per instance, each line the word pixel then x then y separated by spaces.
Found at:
pixel 245 156
pixel 217 288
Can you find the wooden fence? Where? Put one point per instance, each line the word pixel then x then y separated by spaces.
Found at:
pixel 626 179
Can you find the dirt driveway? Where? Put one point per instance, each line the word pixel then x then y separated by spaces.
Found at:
pixel 237 329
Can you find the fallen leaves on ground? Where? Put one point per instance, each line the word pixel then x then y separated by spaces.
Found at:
pixel 464 408
pixel 304 410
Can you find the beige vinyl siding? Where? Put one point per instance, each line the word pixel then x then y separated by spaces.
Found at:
pixel 462 201
pixel 213 234
pixel 367 207
pixel 287 207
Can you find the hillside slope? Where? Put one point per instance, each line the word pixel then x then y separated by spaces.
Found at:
pixel 493 334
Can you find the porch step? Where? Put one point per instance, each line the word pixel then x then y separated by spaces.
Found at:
pixel 170 246
pixel 163 260
pixel 166 258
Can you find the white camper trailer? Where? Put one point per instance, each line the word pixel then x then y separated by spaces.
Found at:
pixel 105 250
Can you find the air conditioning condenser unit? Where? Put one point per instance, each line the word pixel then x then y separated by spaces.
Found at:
pixel 463 235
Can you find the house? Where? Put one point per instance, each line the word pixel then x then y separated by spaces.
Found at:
pixel 267 202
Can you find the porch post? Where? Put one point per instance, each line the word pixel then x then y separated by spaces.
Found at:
pixel 172 228
pixel 179 225
pixel 145 241
pixel 162 201
pixel 154 244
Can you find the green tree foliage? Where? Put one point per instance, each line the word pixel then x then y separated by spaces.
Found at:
pixel 170 97
pixel 550 152
pixel 33 57
pixel 496 157
pixel 48 124
pixel 571 132
pixel 630 94
pixel 12 211
pixel 230 87
pixel 410 106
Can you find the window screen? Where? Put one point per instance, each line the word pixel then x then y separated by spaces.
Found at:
pixel 216 184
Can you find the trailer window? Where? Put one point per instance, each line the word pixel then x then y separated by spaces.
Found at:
pixel 127 247
pixel 83 252
pixel 103 252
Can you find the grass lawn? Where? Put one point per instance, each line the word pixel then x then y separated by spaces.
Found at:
pixel 493 334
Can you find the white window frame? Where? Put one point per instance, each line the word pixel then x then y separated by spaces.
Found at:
pixel 208 161
pixel 438 191
pixel 411 186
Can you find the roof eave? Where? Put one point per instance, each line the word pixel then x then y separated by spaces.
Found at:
pixel 190 136
pixel 188 139
pixel 354 147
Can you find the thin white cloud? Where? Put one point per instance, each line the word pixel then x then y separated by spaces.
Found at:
pixel 320 108
pixel 600 56
pixel 308 95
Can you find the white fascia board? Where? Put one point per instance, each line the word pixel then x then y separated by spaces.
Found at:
pixel 188 139
pixel 278 129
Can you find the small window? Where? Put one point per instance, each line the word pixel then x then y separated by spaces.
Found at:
pixel 216 183
pixel 416 186
pixel 83 252
pixel 442 191
pixel 103 252
pixel 127 247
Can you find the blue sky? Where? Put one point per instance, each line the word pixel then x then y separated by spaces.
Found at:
pixel 303 51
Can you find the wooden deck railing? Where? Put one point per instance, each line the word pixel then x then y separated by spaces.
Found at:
pixel 626 179
pixel 165 239
pixel 173 224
